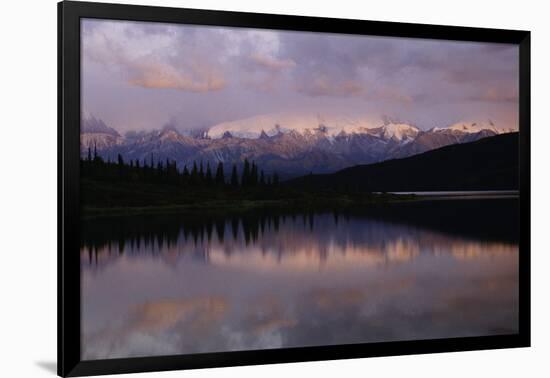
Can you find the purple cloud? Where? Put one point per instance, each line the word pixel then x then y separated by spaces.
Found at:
pixel 138 75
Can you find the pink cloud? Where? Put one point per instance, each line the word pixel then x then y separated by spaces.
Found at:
pixel 271 63
pixel 199 78
pixel 323 86
pixel 497 95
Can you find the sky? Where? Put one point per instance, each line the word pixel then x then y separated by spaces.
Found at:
pixel 143 76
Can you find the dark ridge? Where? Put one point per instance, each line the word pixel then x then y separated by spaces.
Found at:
pixel 487 164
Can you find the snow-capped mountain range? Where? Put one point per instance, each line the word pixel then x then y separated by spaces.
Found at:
pixel 272 124
pixel 291 145
pixel 95 133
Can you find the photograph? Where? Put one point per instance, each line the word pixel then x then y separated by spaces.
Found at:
pixel 254 189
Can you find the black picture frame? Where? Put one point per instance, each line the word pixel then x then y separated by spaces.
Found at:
pixel 69 15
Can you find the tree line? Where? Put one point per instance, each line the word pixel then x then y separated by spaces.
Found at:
pixel 167 172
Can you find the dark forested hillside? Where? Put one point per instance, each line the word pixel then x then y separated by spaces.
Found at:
pixel 487 164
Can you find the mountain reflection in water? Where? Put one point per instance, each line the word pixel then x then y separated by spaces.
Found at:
pixel 161 285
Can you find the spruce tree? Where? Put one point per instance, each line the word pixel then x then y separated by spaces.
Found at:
pixel 201 172
pixel 275 179
pixel 245 180
pixel 194 173
pixel 234 177
pixel 208 176
pixel 262 178
pixel 185 173
pixel 145 173
pixel 161 170
pixel 120 166
pixel 220 178
pixel 254 175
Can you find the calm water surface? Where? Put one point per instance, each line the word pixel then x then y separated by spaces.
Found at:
pixel 171 285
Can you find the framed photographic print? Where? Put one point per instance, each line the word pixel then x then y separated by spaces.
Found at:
pixel 239 188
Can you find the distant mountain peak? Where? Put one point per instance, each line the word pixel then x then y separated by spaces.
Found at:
pixel 322 128
pixel 169 134
pixel 399 131
pixel 199 133
pixel 95 134
pixel 90 124
pixel 290 144
pixel 282 123
pixel 263 135
pixel 471 127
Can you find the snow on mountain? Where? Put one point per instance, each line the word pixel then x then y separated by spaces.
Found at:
pixel 332 126
pixel 399 132
pixel 272 124
pixel 91 124
pixel 95 134
pixel 290 144
pixel 474 127
pixel 98 141
pixel 313 126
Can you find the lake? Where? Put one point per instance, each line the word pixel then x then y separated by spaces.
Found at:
pixel 176 284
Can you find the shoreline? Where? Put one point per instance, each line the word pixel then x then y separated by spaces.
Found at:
pixel 243 206
pixel 318 204
pixel 464 195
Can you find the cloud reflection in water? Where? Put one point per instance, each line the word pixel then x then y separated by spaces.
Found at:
pixel 311 280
